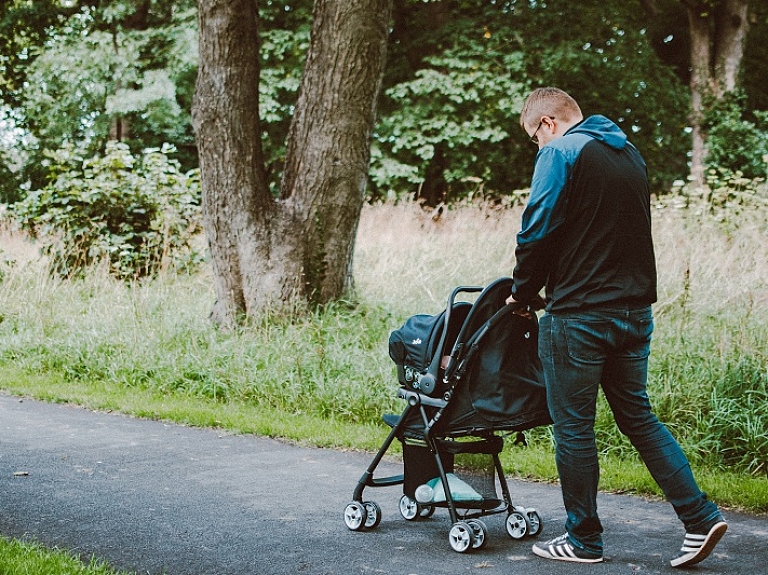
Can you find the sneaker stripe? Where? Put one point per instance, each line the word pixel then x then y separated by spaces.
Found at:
pixel 561 551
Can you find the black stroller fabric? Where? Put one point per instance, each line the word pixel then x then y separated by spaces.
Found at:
pixel 495 374
pixel 413 346
pixel 504 387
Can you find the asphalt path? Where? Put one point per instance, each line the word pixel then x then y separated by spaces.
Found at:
pixel 158 498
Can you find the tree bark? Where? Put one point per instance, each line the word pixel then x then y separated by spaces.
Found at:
pixel 328 149
pixel 235 195
pixel 700 84
pixel 729 41
pixel 271 252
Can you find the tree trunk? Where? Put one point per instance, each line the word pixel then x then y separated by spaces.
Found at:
pixel 701 78
pixel 328 150
pixel 236 200
pixel 717 47
pixel 268 252
pixel 730 40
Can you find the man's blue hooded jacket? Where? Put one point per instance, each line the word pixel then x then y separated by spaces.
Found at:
pixel 586 231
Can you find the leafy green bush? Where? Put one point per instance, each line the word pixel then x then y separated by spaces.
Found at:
pixel 735 144
pixel 446 133
pixel 729 198
pixel 137 214
pixel 734 198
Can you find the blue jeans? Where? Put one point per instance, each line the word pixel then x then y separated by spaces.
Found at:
pixel 580 353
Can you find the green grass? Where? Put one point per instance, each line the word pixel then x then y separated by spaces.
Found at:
pixel 533 462
pixel 25 558
pixel 325 378
pixel 137 346
pixel 238 417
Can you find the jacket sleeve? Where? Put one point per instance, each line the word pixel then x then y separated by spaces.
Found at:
pixel 544 214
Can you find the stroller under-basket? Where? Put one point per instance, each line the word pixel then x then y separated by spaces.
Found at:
pixel 469 375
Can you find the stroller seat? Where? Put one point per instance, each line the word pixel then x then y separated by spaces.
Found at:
pixel 467 375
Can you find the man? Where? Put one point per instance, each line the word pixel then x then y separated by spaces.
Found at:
pixel 586 237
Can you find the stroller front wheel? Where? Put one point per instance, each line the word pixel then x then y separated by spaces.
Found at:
pixel 355 516
pixel 480 532
pixel 461 537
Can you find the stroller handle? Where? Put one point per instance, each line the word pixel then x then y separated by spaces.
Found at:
pixel 462 289
pixel 429 380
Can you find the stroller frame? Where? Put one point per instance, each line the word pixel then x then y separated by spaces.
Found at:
pixel 420 422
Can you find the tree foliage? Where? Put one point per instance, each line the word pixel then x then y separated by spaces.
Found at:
pixel 92 71
pixel 87 71
pixel 448 129
pixel 284 41
pixel 736 143
pixel 138 215
pixel 604 58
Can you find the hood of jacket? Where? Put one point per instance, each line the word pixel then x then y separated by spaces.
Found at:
pixel 601 128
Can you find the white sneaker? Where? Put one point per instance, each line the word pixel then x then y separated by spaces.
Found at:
pixel 561 549
pixel 697 547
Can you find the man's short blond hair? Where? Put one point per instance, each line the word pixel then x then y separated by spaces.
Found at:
pixel 548 102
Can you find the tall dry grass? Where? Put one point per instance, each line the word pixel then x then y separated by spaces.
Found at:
pixel 709 368
pixel 409 259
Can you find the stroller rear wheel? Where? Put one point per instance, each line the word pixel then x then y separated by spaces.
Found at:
pixel 411 510
pixel 426 511
pixel 517 525
pixel 480 531
pixel 535 522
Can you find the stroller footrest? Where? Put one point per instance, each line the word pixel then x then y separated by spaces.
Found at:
pixel 490 446
pixel 411 431
pixel 485 507
pixel 391 419
pixel 386 481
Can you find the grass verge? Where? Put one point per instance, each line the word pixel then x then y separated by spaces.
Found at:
pixel 25 558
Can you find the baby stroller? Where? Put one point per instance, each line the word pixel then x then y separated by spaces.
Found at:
pixel 469 375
